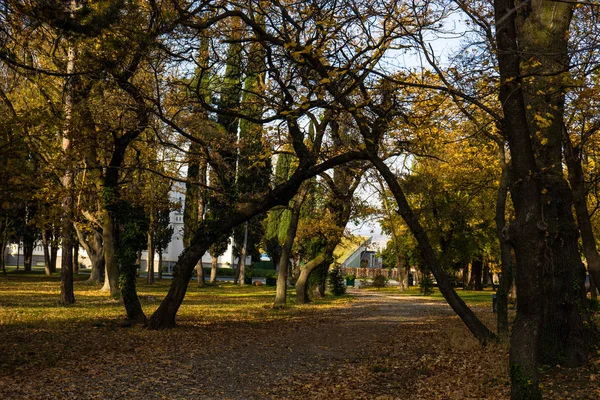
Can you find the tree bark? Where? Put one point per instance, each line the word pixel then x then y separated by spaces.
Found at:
pixel 68 180
pixel 150 259
pixel 476 273
pixel 53 254
pixel 543 49
pixel 200 274
pixel 111 277
pixel 75 257
pixel 527 233
pixel 45 243
pixel 160 265
pixel 241 271
pixel 302 296
pixel 94 251
pixel 286 250
pixel 213 269
pixel 506 274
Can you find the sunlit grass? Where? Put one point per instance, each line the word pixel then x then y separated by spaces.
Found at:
pixel 31 300
pixel 469 296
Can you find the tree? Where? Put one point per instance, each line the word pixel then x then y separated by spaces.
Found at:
pixel 544 225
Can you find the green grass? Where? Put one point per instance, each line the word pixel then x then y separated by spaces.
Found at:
pixel 469 296
pixel 31 300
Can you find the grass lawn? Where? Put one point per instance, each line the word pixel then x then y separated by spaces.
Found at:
pixel 479 298
pixel 231 344
pixel 31 299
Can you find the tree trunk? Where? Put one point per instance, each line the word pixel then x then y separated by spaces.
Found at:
pixel 160 264
pixel 150 259
pixel 75 257
pixel 286 250
pixel 593 289
pixel 542 39
pixel 506 274
pixel 53 254
pixel 200 274
pixel 476 273
pixel 28 245
pixel 67 295
pixel 96 255
pixel 302 296
pixel 213 269
pixel 577 182
pixel 164 316
pixel 45 243
pixel 3 244
pixel 111 277
pixel 481 332
pixel 68 179
pixel 486 275
pixel 241 272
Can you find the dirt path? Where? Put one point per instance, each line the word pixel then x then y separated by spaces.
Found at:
pixel 379 345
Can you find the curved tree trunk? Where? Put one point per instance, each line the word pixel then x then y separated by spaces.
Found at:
pixel 302 296
pixel 577 182
pixel 481 332
pixel 94 251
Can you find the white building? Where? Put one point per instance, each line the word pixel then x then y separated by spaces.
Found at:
pixel 14 253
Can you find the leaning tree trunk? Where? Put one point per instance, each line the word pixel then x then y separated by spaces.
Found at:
pixel 164 316
pixel 302 296
pixel 577 182
pixel 481 332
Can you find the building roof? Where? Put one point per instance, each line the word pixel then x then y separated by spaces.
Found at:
pixel 348 246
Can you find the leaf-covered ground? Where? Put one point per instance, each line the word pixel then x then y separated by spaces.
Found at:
pixel 230 344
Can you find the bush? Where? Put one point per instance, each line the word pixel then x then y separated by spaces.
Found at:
pixel 337 284
pixel 380 281
pixel 426 286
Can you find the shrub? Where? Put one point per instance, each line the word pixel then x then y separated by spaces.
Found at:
pixel 426 286
pixel 337 284
pixel 380 281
